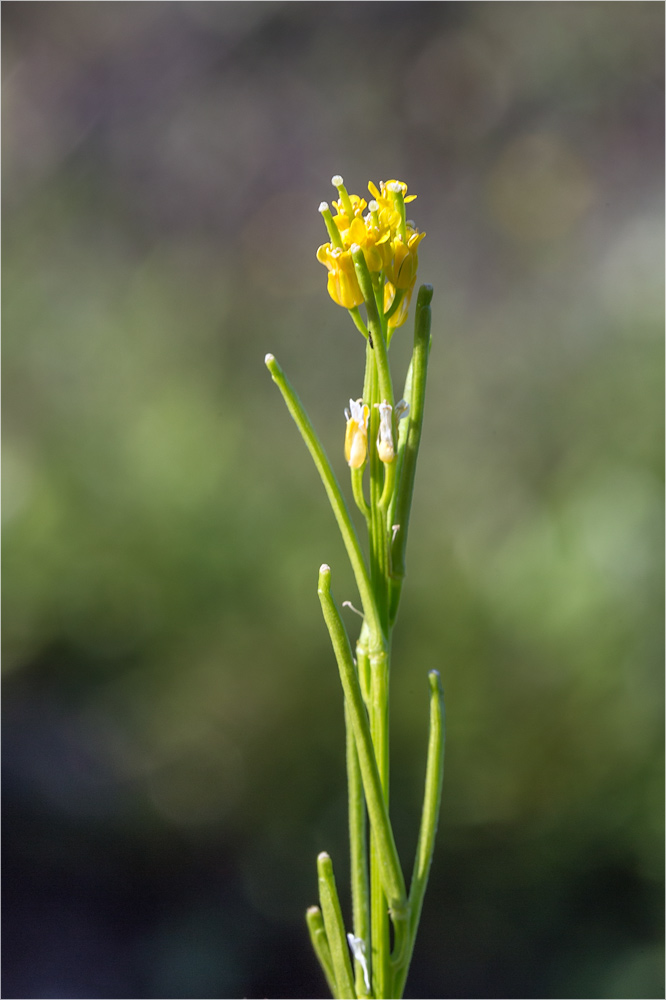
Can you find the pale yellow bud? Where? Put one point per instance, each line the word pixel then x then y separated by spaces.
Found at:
pixel 385 448
pixel 356 434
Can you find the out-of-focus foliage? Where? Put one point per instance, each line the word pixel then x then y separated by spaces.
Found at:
pixel 172 720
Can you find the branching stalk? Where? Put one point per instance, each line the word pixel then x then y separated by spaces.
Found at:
pixel 371 260
pixel 335 497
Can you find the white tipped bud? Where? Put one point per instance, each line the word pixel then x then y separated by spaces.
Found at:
pixel 385 448
pixel 337 181
pixel 354 248
pixel 373 205
pixel 356 433
pixel 323 207
pixel 269 359
pixel 396 187
pixel 357 411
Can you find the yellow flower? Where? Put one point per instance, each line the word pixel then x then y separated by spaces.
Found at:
pixel 404 261
pixel 356 434
pixel 398 317
pixel 390 215
pixel 368 238
pixel 342 220
pixel 343 284
pixel 385 194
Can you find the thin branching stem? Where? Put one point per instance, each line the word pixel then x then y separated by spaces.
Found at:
pixel 384 917
pixel 334 493
pixel 391 872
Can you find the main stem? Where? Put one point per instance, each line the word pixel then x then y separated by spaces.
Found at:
pixel 379 906
pixel 375 386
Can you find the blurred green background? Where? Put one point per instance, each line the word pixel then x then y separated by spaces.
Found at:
pixel 173 734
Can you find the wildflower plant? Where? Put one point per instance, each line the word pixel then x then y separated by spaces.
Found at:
pixel 372 259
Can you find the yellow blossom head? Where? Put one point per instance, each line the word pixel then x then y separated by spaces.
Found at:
pixel 389 244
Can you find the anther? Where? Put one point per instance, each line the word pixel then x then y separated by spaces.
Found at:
pixel 357 946
pixel 348 604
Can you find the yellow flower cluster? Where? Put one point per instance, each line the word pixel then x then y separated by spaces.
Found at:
pixel 389 243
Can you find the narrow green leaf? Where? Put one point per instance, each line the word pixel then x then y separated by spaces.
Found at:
pixel 405 490
pixel 429 821
pixel 335 929
pixel 333 491
pixel 321 947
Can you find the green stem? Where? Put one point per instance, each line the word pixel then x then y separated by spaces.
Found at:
pixel 358 322
pixel 399 201
pixel 370 374
pixel 338 183
pixel 319 941
pixel 431 800
pixel 429 820
pixel 397 299
pixel 379 904
pixel 413 440
pixel 374 324
pixel 357 490
pixel 363 664
pixel 335 497
pixel 389 486
pixel 389 865
pixel 331 228
pixel 358 852
pixel 378 552
pixel 335 928
pixel 376 532
pixel 380 482
pixel 403 427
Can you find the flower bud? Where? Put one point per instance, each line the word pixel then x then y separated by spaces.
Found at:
pixel 356 433
pixel 385 448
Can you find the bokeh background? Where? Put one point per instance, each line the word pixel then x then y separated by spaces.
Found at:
pixel 173 734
